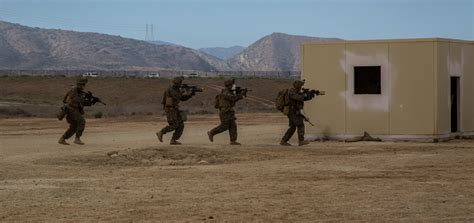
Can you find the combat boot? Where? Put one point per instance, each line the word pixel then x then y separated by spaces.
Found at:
pixel 234 143
pixel 174 142
pixel 160 136
pixel 211 136
pixel 62 141
pixel 302 143
pixel 78 141
pixel 284 143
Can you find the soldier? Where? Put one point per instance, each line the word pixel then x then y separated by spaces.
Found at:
pixel 225 101
pixel 296 120
pixel 73 108
pixel 171 98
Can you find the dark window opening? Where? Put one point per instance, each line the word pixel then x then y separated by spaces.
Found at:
pixel 367 80
pixel 455 104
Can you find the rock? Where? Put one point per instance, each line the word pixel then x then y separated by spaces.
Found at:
pixel 113 153
pixel 203 162
pixel 365 137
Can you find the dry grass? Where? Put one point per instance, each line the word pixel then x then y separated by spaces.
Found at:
pixel 41 96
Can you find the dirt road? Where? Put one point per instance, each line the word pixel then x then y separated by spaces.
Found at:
pixel 124 174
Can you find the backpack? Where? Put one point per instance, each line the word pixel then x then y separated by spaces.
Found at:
pixel 282 100
pixel 163 100
pixel 166 101
pixel 217 101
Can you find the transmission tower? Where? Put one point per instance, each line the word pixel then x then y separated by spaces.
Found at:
pixel 149 36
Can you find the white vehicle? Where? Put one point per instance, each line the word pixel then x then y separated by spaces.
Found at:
pixel 191 75
pixel 90 74
pixel 153 75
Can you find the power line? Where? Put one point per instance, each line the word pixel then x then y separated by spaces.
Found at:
pixel 71 22
pixel 89 25
pixel 67 19
pixel 146 34
pixel 152 35
pixel 1 8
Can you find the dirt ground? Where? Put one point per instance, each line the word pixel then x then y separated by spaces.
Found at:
pixel 124 174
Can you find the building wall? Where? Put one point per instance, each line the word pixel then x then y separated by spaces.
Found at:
pixel 323 70
pixel 368 113
pixel 455 59
pixel 412 104
pixel 443 123
pixel 467 98
pixel 405 107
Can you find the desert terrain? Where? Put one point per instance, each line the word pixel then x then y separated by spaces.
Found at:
pixel 123 174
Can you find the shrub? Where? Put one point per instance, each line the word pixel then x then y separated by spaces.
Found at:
pixel 14 112
pixel 98 114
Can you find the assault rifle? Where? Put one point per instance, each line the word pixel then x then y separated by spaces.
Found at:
pixel 311 93
pixel 305 117
pixel 192 89
pixel 92 100
pixel 240 90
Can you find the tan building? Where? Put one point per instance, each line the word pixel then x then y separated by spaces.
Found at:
pixel 393 89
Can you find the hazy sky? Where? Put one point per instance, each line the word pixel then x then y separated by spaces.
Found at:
pixel 204 23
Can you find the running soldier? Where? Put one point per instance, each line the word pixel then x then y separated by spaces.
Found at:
pixel 225 102
pixel 295 117
pixel 73 109
pixel 171 98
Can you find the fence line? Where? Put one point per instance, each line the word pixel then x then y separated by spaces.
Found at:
pixel 162 73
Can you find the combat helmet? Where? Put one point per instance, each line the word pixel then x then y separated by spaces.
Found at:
pixel 81 81
pixel 178 80
pixel 298 83
pixel 229 82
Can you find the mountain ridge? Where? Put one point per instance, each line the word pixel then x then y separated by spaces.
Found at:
pixel 23 47
pixel 274 52
pixel 223 53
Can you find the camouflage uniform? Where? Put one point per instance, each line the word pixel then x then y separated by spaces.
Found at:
pixel 171 99
pixel 75 101
pixel 296 121
pixel 227 102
